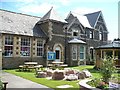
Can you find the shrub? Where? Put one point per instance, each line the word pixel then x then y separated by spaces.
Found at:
pixel 107 69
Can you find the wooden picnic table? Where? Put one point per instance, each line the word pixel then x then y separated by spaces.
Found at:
pixel 57 63
pixel 29 66
pixel 30 63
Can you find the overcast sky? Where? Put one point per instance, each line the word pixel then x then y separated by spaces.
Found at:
pixel 109 9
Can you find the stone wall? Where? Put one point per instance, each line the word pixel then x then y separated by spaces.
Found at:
pixel 14 62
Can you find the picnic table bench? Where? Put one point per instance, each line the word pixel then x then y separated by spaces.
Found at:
pixel 28 66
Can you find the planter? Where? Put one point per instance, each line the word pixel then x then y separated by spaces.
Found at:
pixel 84 86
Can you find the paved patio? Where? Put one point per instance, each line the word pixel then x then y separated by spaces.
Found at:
pixel 18 82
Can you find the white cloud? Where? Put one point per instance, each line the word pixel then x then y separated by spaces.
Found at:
pixel 93 1
pixel 16 1
pixel 37 9
pixel 64 2
pixel 84 10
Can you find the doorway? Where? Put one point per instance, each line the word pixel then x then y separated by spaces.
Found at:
pixel 58 53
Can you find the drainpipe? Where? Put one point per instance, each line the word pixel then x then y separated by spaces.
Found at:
pixel 0 54
pixel 65 61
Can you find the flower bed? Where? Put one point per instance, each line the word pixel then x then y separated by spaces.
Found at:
pixel 84 86
pixel 97 84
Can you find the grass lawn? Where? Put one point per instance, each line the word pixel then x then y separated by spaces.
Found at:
pixel 54 83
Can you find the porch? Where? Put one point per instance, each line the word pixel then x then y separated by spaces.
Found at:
pixel 111 50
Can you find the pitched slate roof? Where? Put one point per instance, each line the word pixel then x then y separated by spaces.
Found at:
pixel 114 44
pixel 52 15
pixel 92 17
pixel 82 19
pixel 20 24
pixel 75 40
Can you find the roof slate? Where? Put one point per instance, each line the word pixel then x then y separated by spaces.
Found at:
pixel 114 44
pixel 92 17
pixel 75 40
pixel 20 24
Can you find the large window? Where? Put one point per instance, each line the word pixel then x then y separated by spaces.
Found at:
pixel 25 46
pixel 39 47
pixel 8 48
pixel 74 52
pixel 82 52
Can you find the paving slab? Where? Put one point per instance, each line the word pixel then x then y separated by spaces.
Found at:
pixel 21 83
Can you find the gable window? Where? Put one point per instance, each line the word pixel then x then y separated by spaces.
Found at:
pixel 100 32
pixel 8 48
pixel 75 33
pixel 25 46
pixel 74 52
pixel 82 53
pixel 39 47
pixel 91 35
pixel 100 35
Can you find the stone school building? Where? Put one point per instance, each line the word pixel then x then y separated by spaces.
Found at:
pixel 29 38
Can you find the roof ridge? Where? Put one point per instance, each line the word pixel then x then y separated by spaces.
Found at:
pixel 18 13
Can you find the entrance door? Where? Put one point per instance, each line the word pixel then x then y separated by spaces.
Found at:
pixel 57 51
pixel 57 54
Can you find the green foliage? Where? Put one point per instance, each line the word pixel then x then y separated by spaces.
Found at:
pixel 1 85
pixel 107 69
pixel 94 82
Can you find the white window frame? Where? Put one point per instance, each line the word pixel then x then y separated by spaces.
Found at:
pixel 9 38
pixel 40 47
pixel 74 47
pixel 82 52
pixel 27 40
pixel 91 35
pixel 100 35
pixel 100 32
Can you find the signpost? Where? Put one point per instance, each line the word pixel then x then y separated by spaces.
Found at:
pixel 51 56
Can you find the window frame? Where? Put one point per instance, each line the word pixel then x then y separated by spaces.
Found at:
pixel 83 52
pixel 25 44
pixel 100 33
pixel 9 39
pixel 91 34
pixel 40 47
pixel 74 46
pixel 75 31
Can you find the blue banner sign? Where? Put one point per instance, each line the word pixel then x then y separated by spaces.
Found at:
pixel 51 56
